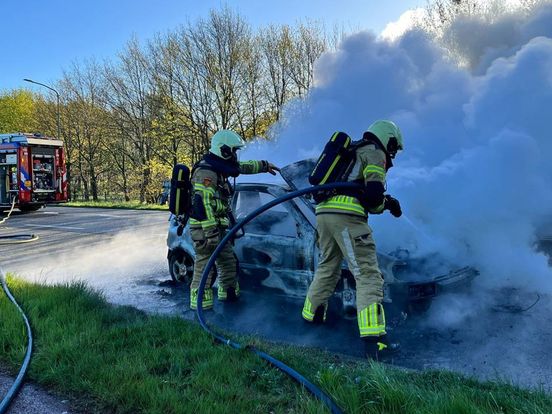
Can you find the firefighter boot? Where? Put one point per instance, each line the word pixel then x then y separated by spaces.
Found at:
pixel 207 302
pixel 319 314
pixel 230 294
pixel 379 348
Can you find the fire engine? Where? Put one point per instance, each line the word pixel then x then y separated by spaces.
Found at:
pixel 32 171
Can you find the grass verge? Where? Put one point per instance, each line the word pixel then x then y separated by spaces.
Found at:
pixel 130 205
pixel 118 359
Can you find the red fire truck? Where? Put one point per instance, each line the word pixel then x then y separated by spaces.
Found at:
pixel 32 171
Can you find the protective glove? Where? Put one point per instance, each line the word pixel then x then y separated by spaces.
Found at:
pixel 271 168
pixel 393 205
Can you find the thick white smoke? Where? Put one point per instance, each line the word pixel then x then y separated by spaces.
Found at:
pixel 474 179
pixel 125 268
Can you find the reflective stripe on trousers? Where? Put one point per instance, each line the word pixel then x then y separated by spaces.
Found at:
pixel 207 298
pixel 371 320
pixel 222 293
pixel 309 310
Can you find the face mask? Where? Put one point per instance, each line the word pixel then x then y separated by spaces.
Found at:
pixel 229 154
pixel 392 147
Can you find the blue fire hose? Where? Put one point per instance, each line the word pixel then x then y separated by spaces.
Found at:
pixel 12 392
pixel 313 389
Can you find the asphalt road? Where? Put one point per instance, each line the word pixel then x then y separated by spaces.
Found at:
pixel 500 334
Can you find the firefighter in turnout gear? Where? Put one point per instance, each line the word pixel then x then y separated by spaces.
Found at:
pixel 211 213
pixel 343 232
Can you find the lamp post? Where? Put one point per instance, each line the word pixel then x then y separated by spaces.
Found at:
pixel 58 105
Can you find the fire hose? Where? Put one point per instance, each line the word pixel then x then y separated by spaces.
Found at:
pixel 17 384
pixel 9 213
pixel 313 389
pixel 15 238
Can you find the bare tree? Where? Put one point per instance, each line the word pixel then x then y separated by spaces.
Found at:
pixel 219 45
pixel 307 46
pixel 128 96
pixel 276 46
pixel 85 123
pixel 174 120
pixel 251 105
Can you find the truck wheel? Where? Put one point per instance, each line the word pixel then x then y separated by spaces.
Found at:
pixel 27 209
pixel 181 267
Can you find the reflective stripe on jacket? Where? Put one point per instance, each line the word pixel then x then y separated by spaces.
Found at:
pixel 215 192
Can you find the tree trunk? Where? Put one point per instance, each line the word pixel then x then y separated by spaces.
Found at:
pixel 93 183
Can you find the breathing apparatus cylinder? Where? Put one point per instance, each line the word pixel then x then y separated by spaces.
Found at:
pixel 181 190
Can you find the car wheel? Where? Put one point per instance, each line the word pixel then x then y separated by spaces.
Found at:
pixel 181 267
pixel 347 287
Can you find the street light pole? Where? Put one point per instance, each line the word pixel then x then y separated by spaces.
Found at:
pixel 58 104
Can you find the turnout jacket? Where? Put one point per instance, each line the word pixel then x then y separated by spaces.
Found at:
pixel 212 190
pixel 370 169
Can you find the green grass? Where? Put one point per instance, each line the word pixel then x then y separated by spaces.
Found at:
pixel 131 205
pixel 118 359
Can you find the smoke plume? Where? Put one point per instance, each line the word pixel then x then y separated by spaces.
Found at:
pixel 474 179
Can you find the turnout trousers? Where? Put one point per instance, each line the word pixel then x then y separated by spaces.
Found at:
pixel 226 265
pixel 348 236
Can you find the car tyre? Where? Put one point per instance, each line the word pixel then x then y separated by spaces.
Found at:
pixel 181 267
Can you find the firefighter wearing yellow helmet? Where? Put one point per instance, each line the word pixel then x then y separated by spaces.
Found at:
pixel 343 232
pixel 210 216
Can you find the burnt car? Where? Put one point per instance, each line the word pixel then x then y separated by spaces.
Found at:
pixel 277 250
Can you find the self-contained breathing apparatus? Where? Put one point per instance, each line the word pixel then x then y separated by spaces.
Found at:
pixel 182 201
pixel 335 164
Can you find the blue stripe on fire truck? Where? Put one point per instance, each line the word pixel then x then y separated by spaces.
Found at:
pixel 24 179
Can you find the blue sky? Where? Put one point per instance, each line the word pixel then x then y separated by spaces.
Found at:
pixel 40 38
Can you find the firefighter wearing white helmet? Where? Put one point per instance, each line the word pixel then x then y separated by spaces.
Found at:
pixel 343 232
pixel 211 213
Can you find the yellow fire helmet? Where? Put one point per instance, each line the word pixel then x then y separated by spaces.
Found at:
pixel 389 135
pixel 225 143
